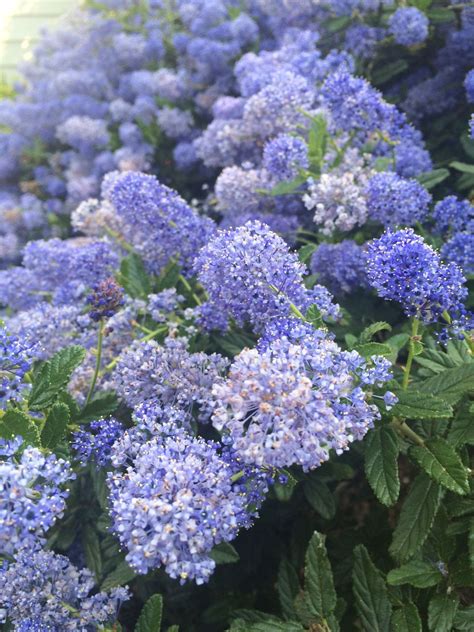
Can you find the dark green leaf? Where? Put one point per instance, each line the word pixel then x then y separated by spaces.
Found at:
pixel 55 426
pixel 373 348
pixel 431 178
pixel 54 376
pixel 370 331
pixel 14 423
pixel 288 587
pixel 464 619
pixel 133 277
pixel 406 619
pixel 416 517
pixel 337 24
pixel 417 405
pixel 416 573
pixel 438 16
pixel 101 405
pixel 91 545
pixel 319 586
pixel 442 464
pixel 462 166
pixel 286 187
pixel 317 141
pixel 150 616
pixel 306 252
pixel 462 427
pixel 370 592
pixel 320 497
pixel 471 542
pixel 169 277
pixel 441 612
pixel 381 464
pixel 452 384
pixel 224 553
pixel 119 576
pixel 389 71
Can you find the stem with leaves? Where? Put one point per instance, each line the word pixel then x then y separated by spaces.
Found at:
pixel 100 339
pixel 415 324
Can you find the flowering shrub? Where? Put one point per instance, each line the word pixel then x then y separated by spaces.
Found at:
pixel 237 372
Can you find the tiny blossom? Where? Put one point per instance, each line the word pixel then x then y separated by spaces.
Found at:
pixel 340 267
pixel 459 249
pixel 174 503
pixel 291 403
pixel 162 303
pixel 469 85
pixel 284 156
pixel 48 589
pixel 105 300
pixel 392 200
pixel 453 214
pixel 32 496
pixel 33 625
pixel 403 268
pixel 409 26
pixel 16 359
pixel 95 443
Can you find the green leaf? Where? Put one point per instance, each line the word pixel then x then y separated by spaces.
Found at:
pixel 439 16
pixel 370 592
pixel 313 316
pixel 389 71
pixel 173 628
pixel 224 553
pixel 150 616
pixel 169 277
pixel 417 405
pixel 321 597
pixel 285 188
pixel 416 517
pixel 119 576
pixel 452 384
pixel 54 375
pixel 101 405
pixel 370 349
pixel 369 332
pixel 406 619
pixel 464 619
pixel 441 612
pixel 420 4
pixel 430 179
pixel 273 626
pixel 462 427
pixel 91 545
pixel 305 252
pixel 337 24
pixel 416 573
pixel 442 464
pixel 133 277
pixel 320 497
pixel 288 587
pixel 14 423
pixel 381 464
pixel 55 426
pixel 462 166
pixel 471 542
pixel 396 344
pixel 317 141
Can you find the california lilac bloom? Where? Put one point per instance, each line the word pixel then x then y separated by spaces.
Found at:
pixel 174 503
pixel 452 214
pixel 95 443
pixel 459 249
pixel 32 497
pixel 396 201
pixel 340 267
pixel 469 85
pixel 409 26
pixel 46 588
pixel 16 359
pixel 291 403
pixel 401 267
pixel 284 156
pixel 105 299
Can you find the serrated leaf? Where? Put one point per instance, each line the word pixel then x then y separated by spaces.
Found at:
pixel 396 344
pixel 320 595
pixel 464 619
pixel 430 179
pixel 461 431
pixel 54 376
pixel 133 277
pixel 320 497
pixel 370 349
pixel 406 619
pixel 101 405
pixel 288 587
pixel 224 553
pixel 441 612
pixel 370 592
pixel 16 423
pixel 369 332
pixel 416 517
pixel 91 545
pixel 441 463
pixel 55 426
pixel 381 464
pixel 150 616
pixel 272 626
pixel 416 573
pixel 452 384
pixel 417 405
pixel 119 576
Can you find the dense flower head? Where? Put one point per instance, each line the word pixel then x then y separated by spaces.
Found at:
pixel 33 625
pixel 157 221
pixel 403 268
pixel 47 589
pixel 32 496
pixel 174 503
pixel 291 403
pixel 105 299
pixel 340 267
pixel 409 26
pixel 250 275
pixel 16 359
pixel 285 155
pixel 395 201
pixel 95 443
pixel 452 214
pixel 459 249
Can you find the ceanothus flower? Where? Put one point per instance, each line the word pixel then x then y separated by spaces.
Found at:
pixel 459 249
pixel 284 156
pixel 16 359
pixel 395 201
pixel 340 267
pixel 95 443
pixel 105 299
pixel 401 267
pixel 451 214
pixel 469 85
pixel 409 26
pixel 32 496
pixel 45 588
pixel 291 403
pixel 173 503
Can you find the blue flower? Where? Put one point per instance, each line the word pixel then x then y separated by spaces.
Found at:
pixel 409 26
